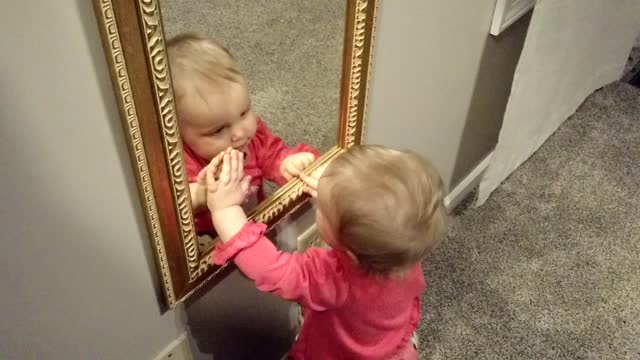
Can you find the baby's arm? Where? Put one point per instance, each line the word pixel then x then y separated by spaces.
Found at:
pixel 313 278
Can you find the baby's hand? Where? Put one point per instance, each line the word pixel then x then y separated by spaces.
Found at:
pixel 294 164
pixel 311 181
pixel 232 186
pixel 198 189
pixel 217 163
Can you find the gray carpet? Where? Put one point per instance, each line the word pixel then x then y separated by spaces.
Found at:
pixel 290 52
pixel 549 267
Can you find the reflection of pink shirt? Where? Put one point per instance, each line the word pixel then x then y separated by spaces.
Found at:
pixel 348 314
pixel 265 154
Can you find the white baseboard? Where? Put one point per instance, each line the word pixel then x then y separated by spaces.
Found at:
pixel 305 239
pixel 458 193
pixel 178 349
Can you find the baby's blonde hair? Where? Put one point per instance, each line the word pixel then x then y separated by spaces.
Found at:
pixel 194 59
pixel 385 206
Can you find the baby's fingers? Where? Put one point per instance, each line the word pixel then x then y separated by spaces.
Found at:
pixel 240 170
pixel 298 164
pixel 296 167
pixel 202 176
pixel 310 191
pixel 310 181
pixel 225 174
pixel 309 158
pixel 210 179
pixel 216 164
pixel 236 171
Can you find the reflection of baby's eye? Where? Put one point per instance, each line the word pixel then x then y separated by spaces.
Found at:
pixel 216 132
pixel 244 113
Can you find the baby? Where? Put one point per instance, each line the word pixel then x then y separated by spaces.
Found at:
pixel 214 114
pixel 381 212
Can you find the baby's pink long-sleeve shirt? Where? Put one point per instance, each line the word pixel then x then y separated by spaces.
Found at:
pixel 348 313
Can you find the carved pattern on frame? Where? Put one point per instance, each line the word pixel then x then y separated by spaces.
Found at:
pixel 372 41
pixel 355 78
pixel 157 56
pixel 127 105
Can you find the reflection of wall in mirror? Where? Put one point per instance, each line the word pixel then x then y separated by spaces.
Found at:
pixel 290 52
pixel 442 95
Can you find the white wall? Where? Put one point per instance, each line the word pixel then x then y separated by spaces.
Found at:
pixel 76 281
pixel 573 48
pixel 426 62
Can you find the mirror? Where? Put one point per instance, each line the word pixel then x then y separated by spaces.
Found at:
pixel 286 56
pixel 302 68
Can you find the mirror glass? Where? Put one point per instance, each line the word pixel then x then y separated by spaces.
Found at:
pixel 262 76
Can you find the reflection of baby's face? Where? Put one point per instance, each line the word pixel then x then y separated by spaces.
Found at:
pixel 213 119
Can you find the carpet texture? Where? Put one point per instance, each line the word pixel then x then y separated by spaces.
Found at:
pixel 289 51
pixel 549 267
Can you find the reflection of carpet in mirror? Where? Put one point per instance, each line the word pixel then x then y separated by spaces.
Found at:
pixel 205 242
pixel 290 52
pixel 269 187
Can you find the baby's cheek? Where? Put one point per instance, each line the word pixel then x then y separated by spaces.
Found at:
pixel 217 146
pixel 253 126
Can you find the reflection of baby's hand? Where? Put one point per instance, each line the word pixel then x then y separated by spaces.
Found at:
pixel 232 186
pixel 198 189
pixel 216 162
pixel 294 164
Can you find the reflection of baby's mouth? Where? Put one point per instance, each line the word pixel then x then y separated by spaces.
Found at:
pixel 243 150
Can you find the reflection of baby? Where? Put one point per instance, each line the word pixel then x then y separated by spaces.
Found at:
pixel 214 114
pixel 381 212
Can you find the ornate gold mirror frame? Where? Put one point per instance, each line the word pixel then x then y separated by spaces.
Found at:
pixel 134 44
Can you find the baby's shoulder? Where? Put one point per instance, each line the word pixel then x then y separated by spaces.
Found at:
pixel 330 258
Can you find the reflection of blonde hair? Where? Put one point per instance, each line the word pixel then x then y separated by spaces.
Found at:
pixel 385 206
pixel 195 59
